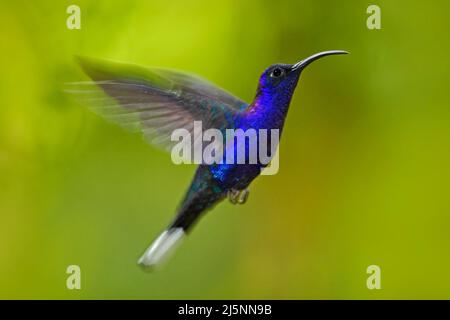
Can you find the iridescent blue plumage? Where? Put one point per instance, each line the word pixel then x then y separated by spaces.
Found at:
pixel 157 101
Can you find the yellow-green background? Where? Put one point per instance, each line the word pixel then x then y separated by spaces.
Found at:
pixel 364 173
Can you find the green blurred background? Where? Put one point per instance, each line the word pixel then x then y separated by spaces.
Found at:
pixel 364 164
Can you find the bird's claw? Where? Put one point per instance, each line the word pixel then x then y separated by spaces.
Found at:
pixel 238 196
pixel 243 196
pixel 232 195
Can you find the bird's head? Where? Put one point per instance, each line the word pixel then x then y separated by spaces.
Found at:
pixel 279 80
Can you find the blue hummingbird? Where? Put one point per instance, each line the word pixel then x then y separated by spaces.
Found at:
pixel 156 101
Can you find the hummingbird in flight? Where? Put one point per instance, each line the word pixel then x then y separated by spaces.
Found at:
pixel 157 101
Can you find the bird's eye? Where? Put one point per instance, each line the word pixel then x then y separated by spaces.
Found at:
pixel 277 72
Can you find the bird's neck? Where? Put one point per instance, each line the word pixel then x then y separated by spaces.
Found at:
pixel 268 110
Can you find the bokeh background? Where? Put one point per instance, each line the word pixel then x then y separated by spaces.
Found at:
pixel 364 166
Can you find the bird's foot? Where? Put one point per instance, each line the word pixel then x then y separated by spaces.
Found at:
pixel 232 195
pixel 238 196
pixel 243 196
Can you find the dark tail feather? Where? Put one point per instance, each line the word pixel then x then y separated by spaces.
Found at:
pixel 202 195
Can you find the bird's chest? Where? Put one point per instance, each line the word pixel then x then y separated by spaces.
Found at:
pixel 237 176
pixel 247 156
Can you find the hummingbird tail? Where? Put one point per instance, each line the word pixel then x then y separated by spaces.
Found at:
pixel 203 194
pixel 161 248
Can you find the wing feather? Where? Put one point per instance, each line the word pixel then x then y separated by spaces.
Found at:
pixel 154 101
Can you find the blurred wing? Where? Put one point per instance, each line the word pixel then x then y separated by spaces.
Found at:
pixel 154 101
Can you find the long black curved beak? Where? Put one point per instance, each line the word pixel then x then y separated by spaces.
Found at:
pixel 303 63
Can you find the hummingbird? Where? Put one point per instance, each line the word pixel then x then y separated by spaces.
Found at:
pixel 155 101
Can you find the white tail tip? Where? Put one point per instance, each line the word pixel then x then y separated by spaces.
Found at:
pixel 160 249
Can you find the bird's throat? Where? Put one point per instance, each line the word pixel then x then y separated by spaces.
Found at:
pixel 268 111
